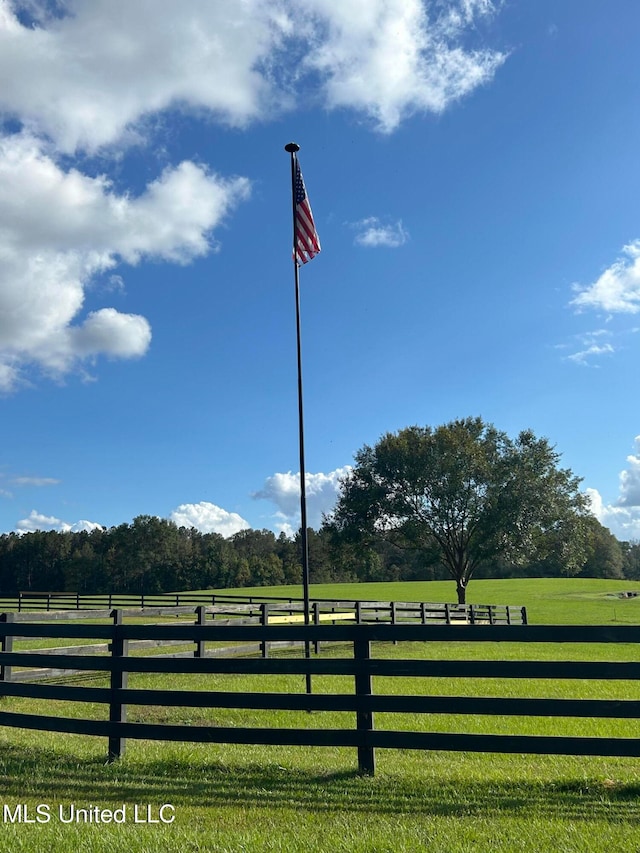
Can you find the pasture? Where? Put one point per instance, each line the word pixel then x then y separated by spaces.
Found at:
pixel 549 601
pixel 254 798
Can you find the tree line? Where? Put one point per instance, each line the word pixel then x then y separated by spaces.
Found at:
pixel 153 555
pixel 457 501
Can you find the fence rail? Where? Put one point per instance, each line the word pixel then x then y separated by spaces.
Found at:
pixel 360 665
pixel 29 601
pixel 34 600
pixel 235 614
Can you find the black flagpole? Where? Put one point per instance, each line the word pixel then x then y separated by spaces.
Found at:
pixel 293 148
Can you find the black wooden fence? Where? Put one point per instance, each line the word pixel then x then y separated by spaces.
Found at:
pixel 59 601
pixel 277 611
pixel 360 665
pixel 34 600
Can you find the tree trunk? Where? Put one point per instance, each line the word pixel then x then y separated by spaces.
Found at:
pixel 461 589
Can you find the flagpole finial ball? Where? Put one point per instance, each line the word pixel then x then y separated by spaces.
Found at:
pixel 292 147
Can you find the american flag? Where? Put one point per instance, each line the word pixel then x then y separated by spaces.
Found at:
pixel 306 241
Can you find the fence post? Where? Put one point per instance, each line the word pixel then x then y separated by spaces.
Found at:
pixel 7 646
pixel 423 613
pixel 364 717
pixel 358 613
pixel 393 618
pixel 264 621
pixel 119 680
pixel 201 617
pixel 472 615
pixel 316 621
pixel 447 614
pixel 524 615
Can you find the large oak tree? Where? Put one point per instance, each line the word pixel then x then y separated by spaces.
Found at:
pixel 465 494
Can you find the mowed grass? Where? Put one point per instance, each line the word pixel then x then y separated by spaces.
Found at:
pixel 253 798
pixel 549 601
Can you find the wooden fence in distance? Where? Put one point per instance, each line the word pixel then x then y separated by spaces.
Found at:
pixel 33 600
pixel 274 613
pixel 55 601
pixel 360 664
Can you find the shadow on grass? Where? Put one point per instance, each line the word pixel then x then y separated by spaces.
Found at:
pixel 49 776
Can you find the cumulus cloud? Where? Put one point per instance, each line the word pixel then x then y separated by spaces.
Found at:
pixel 623 516
pixel 630 479
pixel 38 521
pixel 204 516
pixel 617 290
pixel 284 491
pixel 623 522
pixel 208 518
pixel 94 73
pixel 392 58
pixel 90 77
pixel 373 233
pixel 109 331
pixel 47 259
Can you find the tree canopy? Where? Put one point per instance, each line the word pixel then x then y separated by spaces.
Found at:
pixel 464 494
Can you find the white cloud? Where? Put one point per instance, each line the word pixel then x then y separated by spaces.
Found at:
pixel 35 481
pixel 115 283
pixel 594 346
pixel 623 522
pixel 108 331
pixel 88 78
pixel 204 516
pixel 208 518
pixel 582 357
pixel 46 261
pixel 85 78
pixel 623 516
pixel 391 58
pixel 630 479
pixel 93 76
pixel 38 521
pixel 284 491
pixel 617 290
pixel 372 233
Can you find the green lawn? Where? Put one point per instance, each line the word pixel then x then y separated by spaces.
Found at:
pixel 550 601
pixel 252 798
pixel 240 799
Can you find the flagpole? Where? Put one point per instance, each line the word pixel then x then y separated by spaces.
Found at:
pixel 293 148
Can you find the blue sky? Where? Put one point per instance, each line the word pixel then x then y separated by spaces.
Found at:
pixel 473 172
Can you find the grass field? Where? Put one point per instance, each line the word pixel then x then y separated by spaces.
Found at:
pixel 557 601
pixel 251 798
